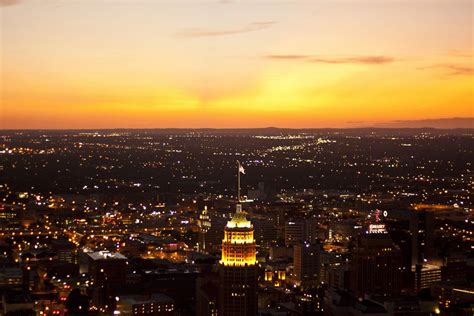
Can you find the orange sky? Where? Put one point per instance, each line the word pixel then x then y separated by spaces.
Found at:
pixel 253 63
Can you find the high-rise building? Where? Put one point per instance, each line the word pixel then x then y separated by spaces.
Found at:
pixel 149 304
pixel 454 268
pixel 422 231
pixel 265 233
pixel 306 262
pixel 330 261
pixel 107 267
pixel 238 268
pixel 302 230
pixel 204 224
pixel 207 294
pixel 108 272
pixel 376 264
pixel 419 224
pixel 401 236
pixel 425 275
pixel 312 230
pixel 294 232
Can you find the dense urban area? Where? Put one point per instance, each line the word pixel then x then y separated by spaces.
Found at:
pixel 149 222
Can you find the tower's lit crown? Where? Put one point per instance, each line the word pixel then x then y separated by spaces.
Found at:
pixel 238 245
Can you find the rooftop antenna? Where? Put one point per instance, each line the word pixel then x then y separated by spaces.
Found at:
pixel 240 169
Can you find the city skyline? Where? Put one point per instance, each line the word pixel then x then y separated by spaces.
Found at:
pixel 159 222
pixel 234 64
pixel 236 157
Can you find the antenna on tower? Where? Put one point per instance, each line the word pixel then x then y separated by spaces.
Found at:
pixel 240 169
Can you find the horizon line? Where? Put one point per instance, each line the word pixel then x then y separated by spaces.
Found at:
pixel 427 123
pixel 235 128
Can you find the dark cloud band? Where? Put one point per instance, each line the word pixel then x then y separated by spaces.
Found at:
pixel 369 60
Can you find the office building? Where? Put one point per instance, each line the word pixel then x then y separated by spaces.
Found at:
pixel 306 263
pixel 204 224
pixel 238 268
pixel 376 264
pixel 153 305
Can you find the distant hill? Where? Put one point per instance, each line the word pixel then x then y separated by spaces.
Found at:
pixel 443 123
pixel 455 125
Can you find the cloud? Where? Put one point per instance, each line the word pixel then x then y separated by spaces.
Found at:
pixel 4 3
pixel 453 69
pixel 371 60
pixel 251 27
pixel 367 60
pixel 355 122
pixel 458 53
pixel 442 123
pixel 287 57
pixel 460 70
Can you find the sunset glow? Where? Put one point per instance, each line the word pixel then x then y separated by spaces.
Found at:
pixel 144 64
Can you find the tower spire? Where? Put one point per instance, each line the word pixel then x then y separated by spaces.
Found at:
pixel 240 169
pixel 238 182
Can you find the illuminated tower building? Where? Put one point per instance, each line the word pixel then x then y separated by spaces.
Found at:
pixel 376 263
pixel 238 266
pixel 204 224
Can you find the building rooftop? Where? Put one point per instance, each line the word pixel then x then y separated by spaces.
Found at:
pixel 106 255
pixel 239 220
pixel 145 299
